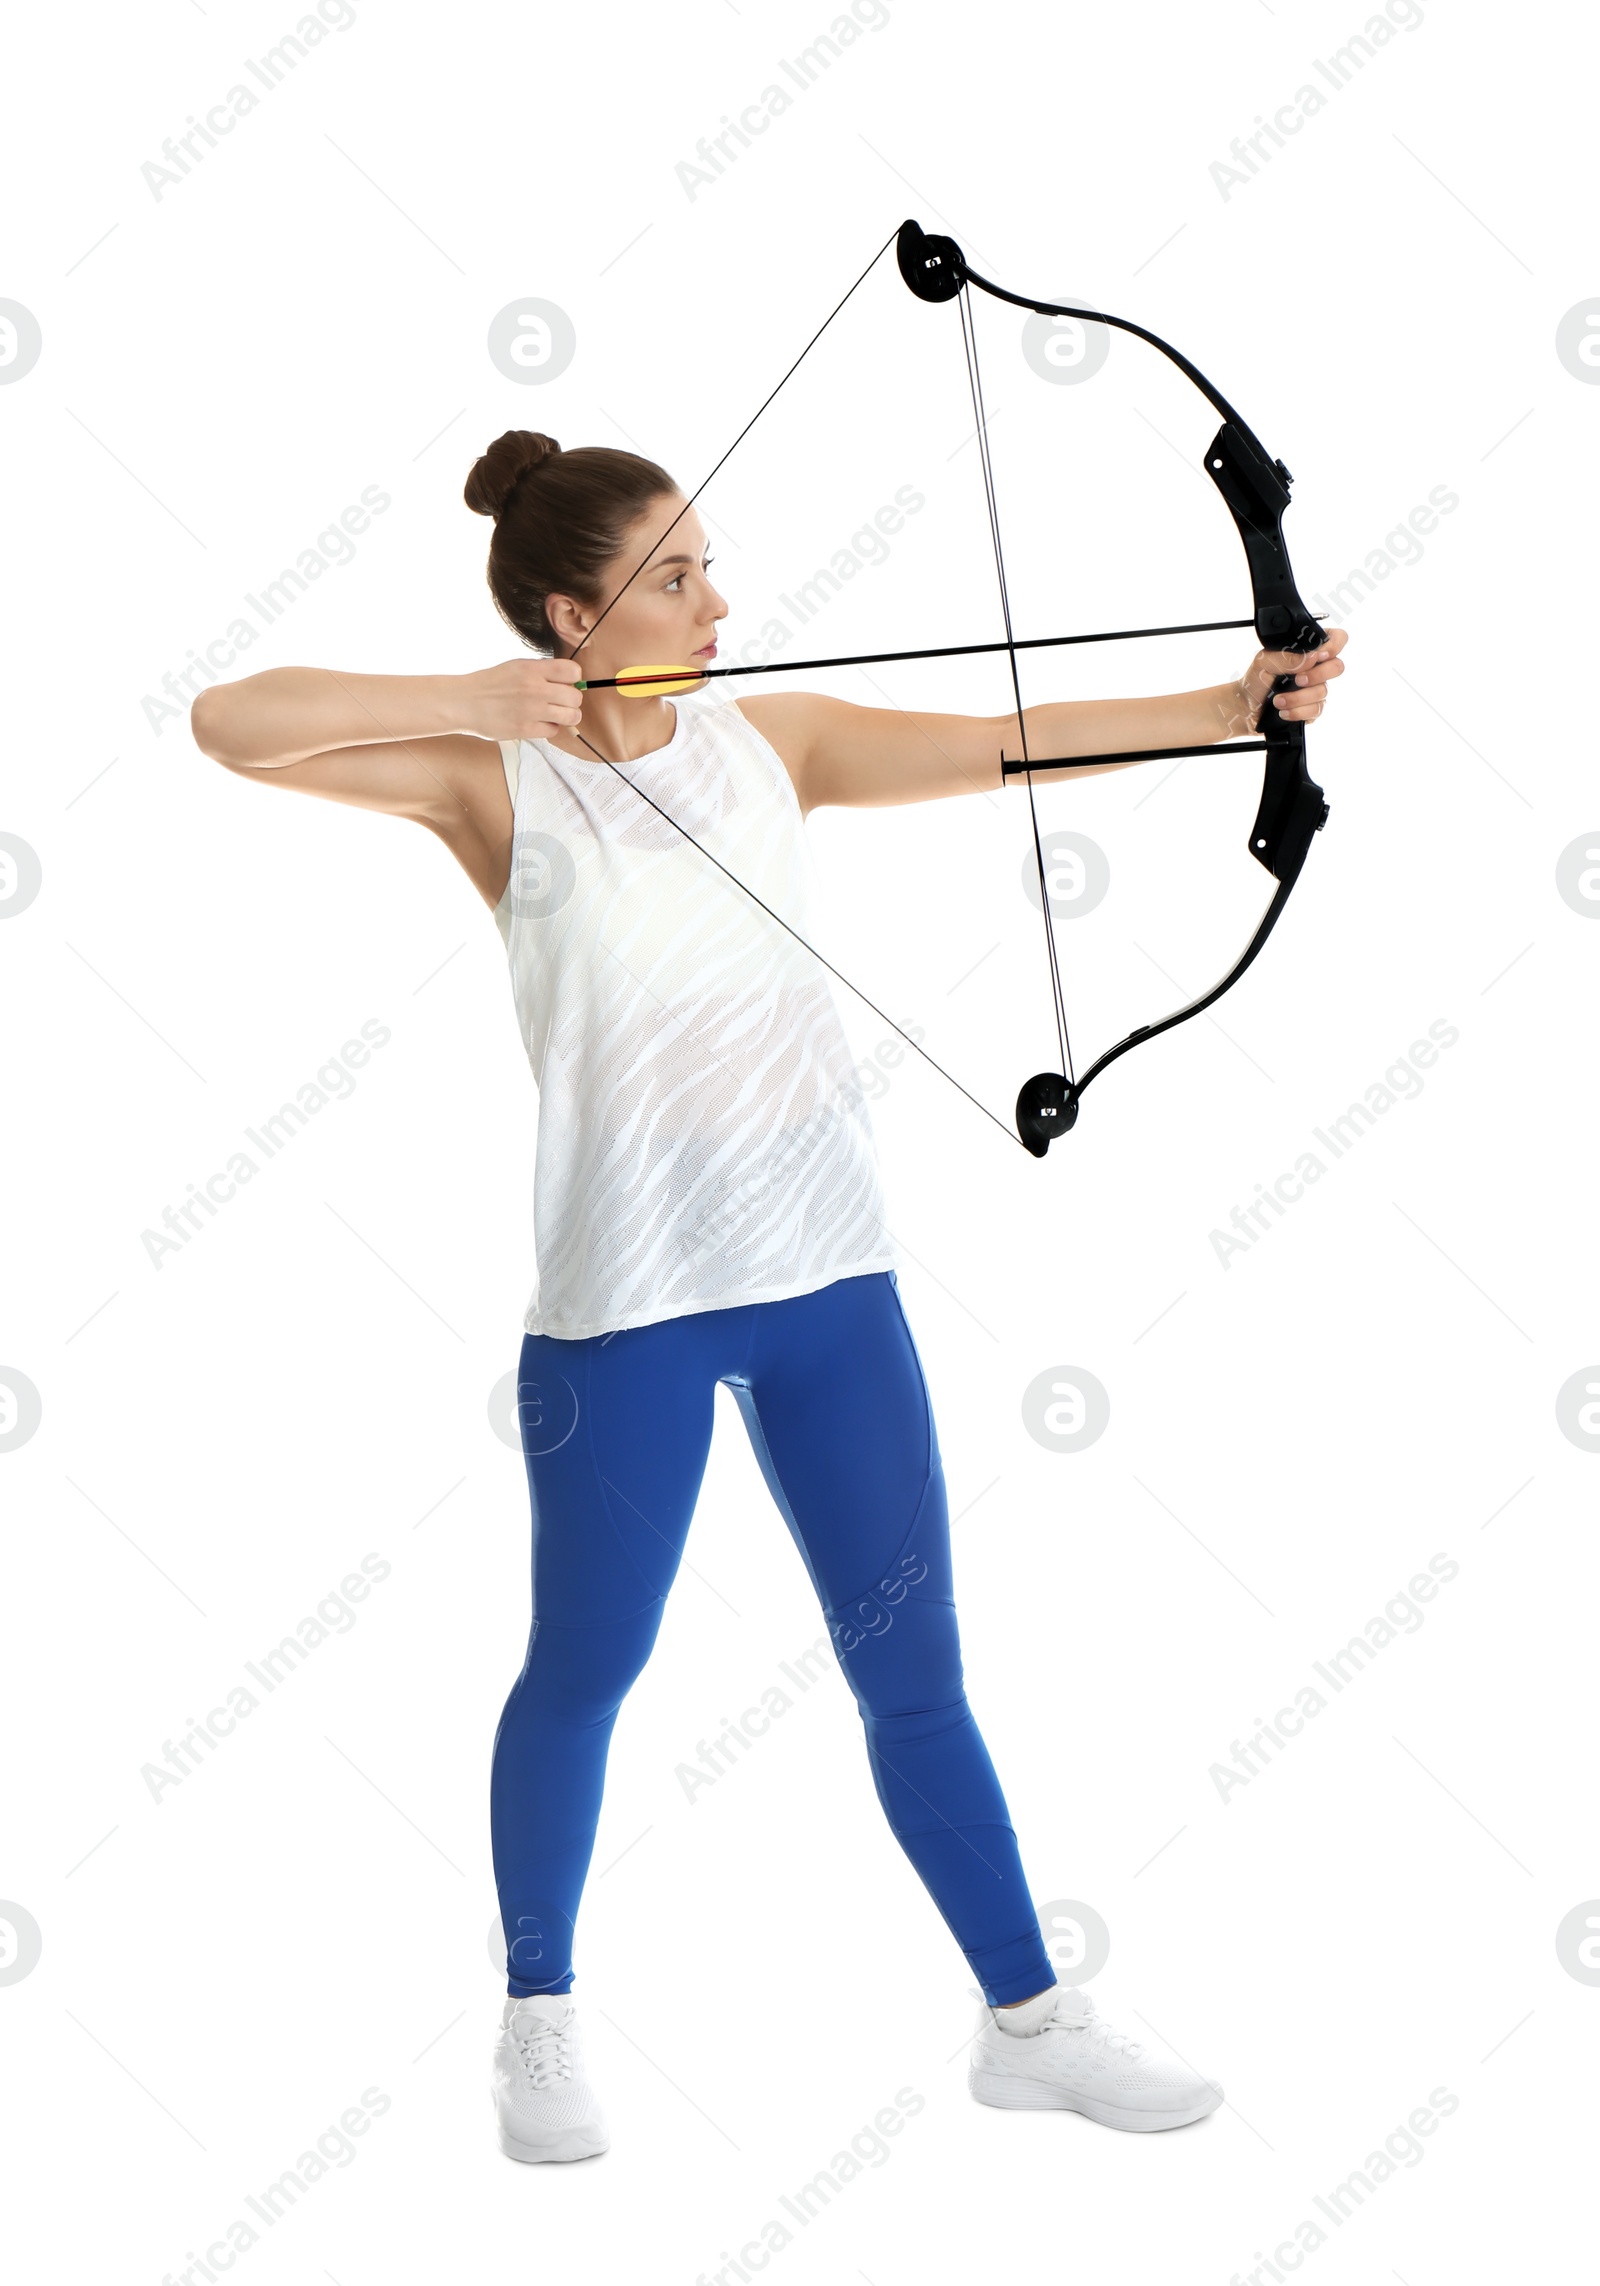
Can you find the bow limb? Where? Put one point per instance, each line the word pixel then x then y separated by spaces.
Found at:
pixel 1253 484
pixel 1292 810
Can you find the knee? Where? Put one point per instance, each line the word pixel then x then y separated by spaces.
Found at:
pixel 901 1659
pixel 583 1674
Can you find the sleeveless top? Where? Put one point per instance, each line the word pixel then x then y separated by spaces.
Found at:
pixel 703 1141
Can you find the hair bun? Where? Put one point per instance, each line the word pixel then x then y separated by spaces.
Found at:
pixel 501 469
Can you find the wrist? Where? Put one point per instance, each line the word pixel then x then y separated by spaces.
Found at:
pixel 449 703
pixel 1231 703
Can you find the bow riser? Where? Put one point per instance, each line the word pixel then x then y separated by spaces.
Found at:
pixel 1293 806
pixel 1256 492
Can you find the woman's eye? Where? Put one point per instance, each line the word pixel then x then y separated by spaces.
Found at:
pixel 677 577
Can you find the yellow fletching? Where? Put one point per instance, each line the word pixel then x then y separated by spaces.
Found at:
pixel 657 682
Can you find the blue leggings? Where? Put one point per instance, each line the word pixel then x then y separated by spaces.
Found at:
pixel 616 1430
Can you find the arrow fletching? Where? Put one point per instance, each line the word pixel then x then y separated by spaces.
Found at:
pixel 649 682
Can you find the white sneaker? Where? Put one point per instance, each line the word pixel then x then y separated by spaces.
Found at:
pixel 543 2101
pixel 1076 2062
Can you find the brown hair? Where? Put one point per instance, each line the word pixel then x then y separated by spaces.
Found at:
pixel 559 519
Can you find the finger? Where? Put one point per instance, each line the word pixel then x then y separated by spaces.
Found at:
pixel 1326 655
pixel 1315 676
pixel 563 671
pixel 1294 662
pixel 1315 666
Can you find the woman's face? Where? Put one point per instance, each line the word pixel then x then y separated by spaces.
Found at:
pixel 665 614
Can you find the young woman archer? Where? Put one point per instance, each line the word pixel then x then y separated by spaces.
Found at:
pixel 707 1204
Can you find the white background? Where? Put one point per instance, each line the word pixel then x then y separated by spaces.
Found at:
pixel 1293 1432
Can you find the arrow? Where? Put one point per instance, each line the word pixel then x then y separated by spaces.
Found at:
pixel 661 682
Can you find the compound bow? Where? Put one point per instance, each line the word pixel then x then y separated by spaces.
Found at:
pixel 1255 490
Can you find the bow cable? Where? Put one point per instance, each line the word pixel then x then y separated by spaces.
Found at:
pixel 969 342
pixel 803 941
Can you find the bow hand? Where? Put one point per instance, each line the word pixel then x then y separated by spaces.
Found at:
pixel 1293 683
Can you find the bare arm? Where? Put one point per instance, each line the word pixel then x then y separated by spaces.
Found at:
pixel 868 756
pixel 412 746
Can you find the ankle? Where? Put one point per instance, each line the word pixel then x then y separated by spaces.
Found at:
pixel 1022 2018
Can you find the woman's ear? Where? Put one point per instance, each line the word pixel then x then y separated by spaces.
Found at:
pixel 567 618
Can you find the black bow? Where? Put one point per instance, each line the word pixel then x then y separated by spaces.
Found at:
pixel 1256 492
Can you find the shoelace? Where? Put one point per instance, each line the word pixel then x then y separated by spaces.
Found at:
pixel 1090 2022
pixel 545 2050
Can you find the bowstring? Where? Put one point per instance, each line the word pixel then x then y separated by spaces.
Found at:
pixel 679 827
pixel 969 342
pixel 733 448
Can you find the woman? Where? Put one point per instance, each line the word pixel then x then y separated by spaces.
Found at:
pixel 707 1205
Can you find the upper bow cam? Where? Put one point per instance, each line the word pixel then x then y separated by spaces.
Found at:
pixel 934 268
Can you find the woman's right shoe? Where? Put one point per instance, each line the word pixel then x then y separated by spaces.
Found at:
pixel 1075 2061
pixel 543 2102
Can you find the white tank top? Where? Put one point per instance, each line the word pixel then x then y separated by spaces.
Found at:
pixel 703 1141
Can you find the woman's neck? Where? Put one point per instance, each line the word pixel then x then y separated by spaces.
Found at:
pixel 619 730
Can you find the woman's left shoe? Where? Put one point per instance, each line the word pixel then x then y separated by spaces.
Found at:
pixel 1076 2062
pixel 544 2105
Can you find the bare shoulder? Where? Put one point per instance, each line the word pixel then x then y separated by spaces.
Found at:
pixel 796 725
